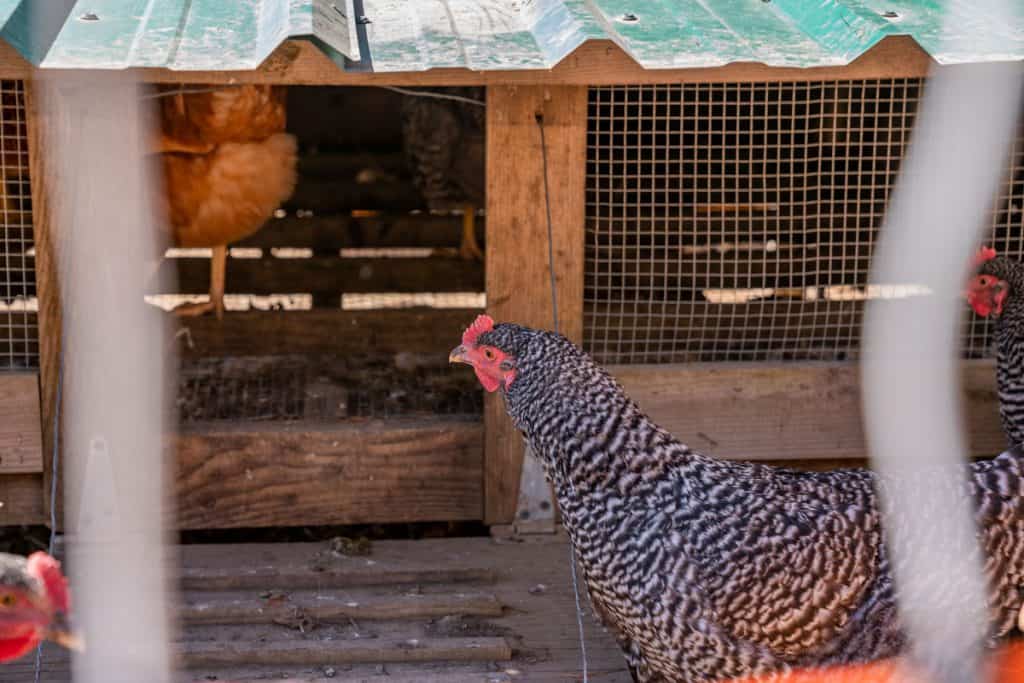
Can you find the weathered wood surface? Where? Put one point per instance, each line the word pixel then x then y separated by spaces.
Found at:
pixel 351 473
pixel 763 411
pixel 328 653
pixel 263 333
pixel 21 444
pixel 530 580
pixel 21 496
pixel 518 264
pixel 331 274
pixel 254 610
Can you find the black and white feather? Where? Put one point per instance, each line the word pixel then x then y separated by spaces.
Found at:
pixel 706 569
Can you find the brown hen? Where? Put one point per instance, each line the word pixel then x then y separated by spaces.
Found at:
pixel 227 165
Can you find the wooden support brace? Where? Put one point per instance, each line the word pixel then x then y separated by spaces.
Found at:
pixel 517 264
pixel 41 132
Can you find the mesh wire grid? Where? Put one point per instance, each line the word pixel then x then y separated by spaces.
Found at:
pixel 736 222
pixel 19 338
pixel 357 386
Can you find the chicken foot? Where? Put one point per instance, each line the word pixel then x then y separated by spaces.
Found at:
pixel 469 249
pixel 218 275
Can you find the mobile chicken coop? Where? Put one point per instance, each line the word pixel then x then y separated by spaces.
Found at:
pixel 715 181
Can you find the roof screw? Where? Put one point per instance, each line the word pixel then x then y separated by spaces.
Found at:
pixel 89 16
pixel 629 16
pixel 890 15
pixel 363 19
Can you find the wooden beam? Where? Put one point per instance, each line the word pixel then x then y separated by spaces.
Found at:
pixel 255 610
pixel 21 500
pixel 324 332
pixel 330 275
pixel 21 445
pixel 325 652
pixel 798 411
pixel 44 129
pixel 518 286
pixel 355 473
pixel 598 62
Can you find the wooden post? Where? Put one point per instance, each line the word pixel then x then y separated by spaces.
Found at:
pixel 517 275
pixel 47 283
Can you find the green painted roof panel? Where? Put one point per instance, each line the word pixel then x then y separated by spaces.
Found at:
pixel 484 35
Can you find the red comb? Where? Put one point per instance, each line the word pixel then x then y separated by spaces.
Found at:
pixel 984 254
pixel 483 323
pixel 47 570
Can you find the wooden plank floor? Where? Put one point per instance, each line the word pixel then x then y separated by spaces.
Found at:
pixel 467 610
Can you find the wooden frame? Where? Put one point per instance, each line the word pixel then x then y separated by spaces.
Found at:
pixel 517 286
pixel 518 276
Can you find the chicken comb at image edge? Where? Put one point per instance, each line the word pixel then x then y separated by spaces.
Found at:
pixel 48 570
pixel 483 323
pixel 983 254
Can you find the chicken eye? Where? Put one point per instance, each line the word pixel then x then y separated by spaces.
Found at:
pixel 489 354
pixel 7 600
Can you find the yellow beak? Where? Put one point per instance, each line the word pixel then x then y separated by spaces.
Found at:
pixel 458 355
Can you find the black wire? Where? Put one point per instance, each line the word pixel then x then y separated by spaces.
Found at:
pixel 554 314
pixel 55 473
pixel 547 206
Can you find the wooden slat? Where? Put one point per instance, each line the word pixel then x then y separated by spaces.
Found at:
pixel 762 411
pixel 489 677
pixel 327 652
pixel 21 445
pixel 598 62
pixel 251 610
pixel 264 575
pixel 21 496
pixel 252 475
pixel 325 233
pixel 518 286
pixel 323 331
pixel 331 274
pixel 46 130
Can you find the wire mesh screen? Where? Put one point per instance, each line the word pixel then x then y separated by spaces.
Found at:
pixel 19 338
pixel 736 222
pixel 356 386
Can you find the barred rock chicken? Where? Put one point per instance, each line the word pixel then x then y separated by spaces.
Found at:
pixel 227 165
pixel 706 569
pixel 993 292
pixel 34 604
pixel 444 144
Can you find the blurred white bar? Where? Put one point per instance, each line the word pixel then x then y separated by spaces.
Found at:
pixel 115 358
pixel 911 363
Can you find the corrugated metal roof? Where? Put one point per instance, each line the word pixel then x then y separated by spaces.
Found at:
pixel 407 35
pixel 175 34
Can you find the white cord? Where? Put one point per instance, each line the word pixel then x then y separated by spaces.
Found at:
pixel 434 95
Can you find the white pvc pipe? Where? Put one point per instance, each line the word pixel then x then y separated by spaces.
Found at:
pixel 911 381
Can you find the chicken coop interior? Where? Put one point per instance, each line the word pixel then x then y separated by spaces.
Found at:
pixel 711 230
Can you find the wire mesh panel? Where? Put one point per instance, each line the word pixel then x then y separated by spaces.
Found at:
pixel 356 386
pixel 735 222
pixel 19 338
